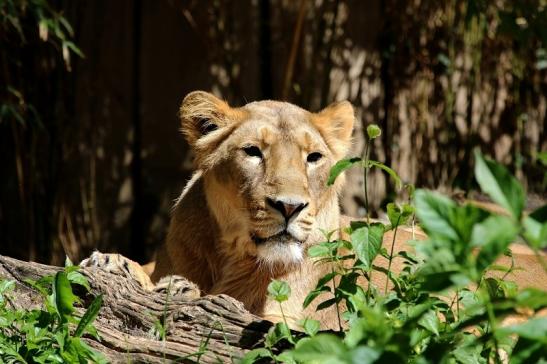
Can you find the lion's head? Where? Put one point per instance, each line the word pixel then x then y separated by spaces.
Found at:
pixel 265 167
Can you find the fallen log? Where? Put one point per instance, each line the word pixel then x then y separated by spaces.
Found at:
pixel 209 329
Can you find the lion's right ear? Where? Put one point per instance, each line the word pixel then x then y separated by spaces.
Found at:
pixel 201 113
pixel 206 122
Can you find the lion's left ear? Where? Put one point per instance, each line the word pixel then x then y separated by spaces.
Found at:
pixel 335 123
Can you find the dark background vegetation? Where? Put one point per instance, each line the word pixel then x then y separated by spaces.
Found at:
pixel 90 153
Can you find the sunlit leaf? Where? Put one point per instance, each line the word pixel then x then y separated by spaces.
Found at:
pixel 534 329
pixel 319 349
pixel 535 228
pixel 499 184
pixel 367 242
pixel 279 290
pixel 434 212
pixel 389 171
pixel 89 316
pixel 399 215
pixel 255 355
pixel 314 294
pixel 311 327
pixel 320 250
pixel 430 322
pixel 493 236
pixel 64 299
pixel 340 167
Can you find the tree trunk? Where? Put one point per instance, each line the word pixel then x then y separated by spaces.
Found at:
pixel 218 327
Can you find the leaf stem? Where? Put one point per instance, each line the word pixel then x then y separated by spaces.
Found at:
pixel 336 301
pixel 492 324
pixel 285 321
pixel 391 251
pixel 367 155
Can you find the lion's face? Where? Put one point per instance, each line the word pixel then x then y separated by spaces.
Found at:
pixel 266 167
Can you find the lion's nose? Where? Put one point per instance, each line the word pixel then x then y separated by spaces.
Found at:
pixel 287 206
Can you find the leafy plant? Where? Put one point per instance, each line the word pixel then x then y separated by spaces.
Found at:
pixel 444 305
pixel 51 333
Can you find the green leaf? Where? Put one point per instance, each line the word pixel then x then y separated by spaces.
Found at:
pixel 86 352
pixel 533 298
pixel 389 171
pixel 340 167
pixel 321 348
pixel 535 228
pixel 64 299
pixel 468 354
pixel 542 157
pixel 320 250
pixel 437 281
pixel 373 131
pixel 89 315
pixel 314 294
pixel 367 242
pixel 325 279
pixel 78 278
pixel 493 235
pixel 311 327
pixel 500 185
pixel 278 332
pixel 254 355
pixel 279 290
pixel 430 322
pixel 286 357
pixel 326 304
pixel 364 355
pixel 399 215
pixel 534 329
pixel 434 212
pixel 528 351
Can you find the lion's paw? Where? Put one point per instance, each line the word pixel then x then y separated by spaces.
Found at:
pixel 177 286
pixel 120 265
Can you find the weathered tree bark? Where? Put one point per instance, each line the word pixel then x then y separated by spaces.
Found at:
pixel 127 318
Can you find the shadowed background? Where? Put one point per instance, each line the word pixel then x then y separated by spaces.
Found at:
pixel 90 152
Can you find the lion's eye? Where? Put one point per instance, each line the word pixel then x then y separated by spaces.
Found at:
pixel 253 151
pixel 314 157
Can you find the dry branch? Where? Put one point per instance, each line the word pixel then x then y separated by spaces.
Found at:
pixel 127 318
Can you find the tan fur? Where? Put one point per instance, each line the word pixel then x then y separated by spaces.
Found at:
pixel 222 218
pixel 223 210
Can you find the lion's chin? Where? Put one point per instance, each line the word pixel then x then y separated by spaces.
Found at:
pixel 279 249
pixel 278 253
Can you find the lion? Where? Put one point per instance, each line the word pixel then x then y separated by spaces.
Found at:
pixel 257 201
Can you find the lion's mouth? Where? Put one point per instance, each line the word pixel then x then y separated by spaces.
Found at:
pixel 282 237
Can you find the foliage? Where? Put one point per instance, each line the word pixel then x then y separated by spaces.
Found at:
pixel 52 28
pixel 444 306
pixel 52 332
pixel 37 50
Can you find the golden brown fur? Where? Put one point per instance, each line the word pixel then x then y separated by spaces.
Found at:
pixel 228 233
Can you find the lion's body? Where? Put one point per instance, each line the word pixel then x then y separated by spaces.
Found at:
pixel 192 251
pixel 228 233
pixel 259 199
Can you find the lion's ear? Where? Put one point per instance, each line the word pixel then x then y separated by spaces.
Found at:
pixel 202 113
pixel 335 123
pixel 206 121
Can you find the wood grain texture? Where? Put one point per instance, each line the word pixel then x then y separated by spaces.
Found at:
pixel 125 322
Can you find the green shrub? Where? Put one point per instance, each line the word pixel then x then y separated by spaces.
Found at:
pixel 431 315
pixel 51 333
